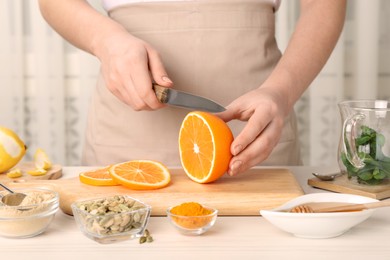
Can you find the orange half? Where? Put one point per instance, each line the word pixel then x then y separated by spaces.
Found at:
pixel 141 174
pixel 98 177
pixel 204 144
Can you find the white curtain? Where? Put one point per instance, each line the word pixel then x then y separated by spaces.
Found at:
pixel 359 68
pixel 46 83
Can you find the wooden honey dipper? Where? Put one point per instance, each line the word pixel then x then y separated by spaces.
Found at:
pixel 304 208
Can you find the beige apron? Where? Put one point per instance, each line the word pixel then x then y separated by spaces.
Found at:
pixel 217 49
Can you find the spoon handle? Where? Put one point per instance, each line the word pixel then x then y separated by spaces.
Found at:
pixel 356 207
pixel 6 188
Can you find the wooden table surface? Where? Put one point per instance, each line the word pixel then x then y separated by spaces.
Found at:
pixel 231 238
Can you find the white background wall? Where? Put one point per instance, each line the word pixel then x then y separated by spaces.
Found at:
pixel 46 83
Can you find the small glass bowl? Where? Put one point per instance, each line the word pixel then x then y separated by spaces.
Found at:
pixel 112 227
pixel 193 225
pixel 32 217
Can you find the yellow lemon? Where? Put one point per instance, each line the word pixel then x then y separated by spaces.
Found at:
pixel 41 160
pixel 12 149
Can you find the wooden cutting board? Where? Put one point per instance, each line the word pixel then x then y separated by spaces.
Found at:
pixel 55 172
pixel 341 184
pixel 245 194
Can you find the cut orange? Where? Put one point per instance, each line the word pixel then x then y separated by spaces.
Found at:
pixel 204 144
pixel 98 177
pixel 141 174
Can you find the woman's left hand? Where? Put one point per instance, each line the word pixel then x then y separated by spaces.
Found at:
pixel 264 110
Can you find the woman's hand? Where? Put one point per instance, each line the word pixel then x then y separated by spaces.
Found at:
pixel 129 65
pixel 266 107
pixel 264 110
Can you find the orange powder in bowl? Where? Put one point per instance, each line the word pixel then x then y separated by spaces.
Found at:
pixel 191 215
pixel 190 209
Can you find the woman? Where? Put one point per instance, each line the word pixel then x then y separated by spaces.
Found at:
pixel 223 50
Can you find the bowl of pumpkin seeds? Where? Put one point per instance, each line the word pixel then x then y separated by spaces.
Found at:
pixel 111 219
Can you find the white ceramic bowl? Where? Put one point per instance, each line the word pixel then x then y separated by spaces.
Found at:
pixel 318 225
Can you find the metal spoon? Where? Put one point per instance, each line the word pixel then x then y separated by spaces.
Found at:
pixel 13 198
pixel 327 177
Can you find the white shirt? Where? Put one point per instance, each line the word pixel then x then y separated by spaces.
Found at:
pixel 110 4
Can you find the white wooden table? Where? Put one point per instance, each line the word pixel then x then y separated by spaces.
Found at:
pixel 230 238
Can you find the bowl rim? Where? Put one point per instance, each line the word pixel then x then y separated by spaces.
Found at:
pixel 76 209
pixel 54 199
pixel 319 197
pixel 42 214
pixel 52 206
pixel 213 213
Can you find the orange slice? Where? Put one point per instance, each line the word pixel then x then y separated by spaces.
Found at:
pixel 98 177
pixel 204 144
pixel 141 174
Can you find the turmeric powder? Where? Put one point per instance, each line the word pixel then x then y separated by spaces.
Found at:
pixel 191 215
pixel 190 209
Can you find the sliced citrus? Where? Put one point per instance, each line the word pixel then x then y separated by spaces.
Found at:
pixel 141 174
pixel 204 144
pixel 37 172
pixel 14 173
pixel 98 177
pixel 41 160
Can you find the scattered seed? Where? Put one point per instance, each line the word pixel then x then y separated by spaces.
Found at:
pixel 142 240
pixel 149 239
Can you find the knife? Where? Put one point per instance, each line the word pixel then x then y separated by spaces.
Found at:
pixel 186 100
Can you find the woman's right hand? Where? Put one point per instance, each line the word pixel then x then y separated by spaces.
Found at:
pixel 129 65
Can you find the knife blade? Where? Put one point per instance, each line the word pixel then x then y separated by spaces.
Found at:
pixel 186 100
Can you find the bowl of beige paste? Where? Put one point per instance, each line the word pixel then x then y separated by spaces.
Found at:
pixel 32 217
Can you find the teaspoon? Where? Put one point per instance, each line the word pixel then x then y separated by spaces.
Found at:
pixel 13 198
pixel 327 177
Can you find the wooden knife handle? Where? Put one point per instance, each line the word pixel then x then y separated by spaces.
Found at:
pixel 161 93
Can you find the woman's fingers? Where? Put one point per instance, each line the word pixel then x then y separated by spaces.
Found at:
pixel 142 82
pixel 157 68
pixel 261 133
pixel 255 125
pixel 128 66
pixel 257 151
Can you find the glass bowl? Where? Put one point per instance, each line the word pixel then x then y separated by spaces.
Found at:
pixel 32 217
pixel 111 219
pixel 193 225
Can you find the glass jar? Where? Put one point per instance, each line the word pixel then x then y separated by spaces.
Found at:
pixel 364 147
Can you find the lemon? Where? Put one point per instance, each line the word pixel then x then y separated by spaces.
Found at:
pixel 14 173
pixel 41 160
pixel 12 149
pixel 37 172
